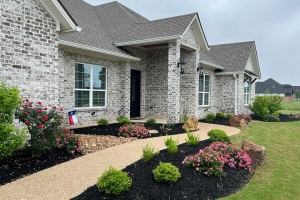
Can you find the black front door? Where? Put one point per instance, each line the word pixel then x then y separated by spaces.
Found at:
pixel 135 91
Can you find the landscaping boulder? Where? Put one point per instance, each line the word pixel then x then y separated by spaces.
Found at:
pixel 237 122
pixel 191 124
pixel 257 153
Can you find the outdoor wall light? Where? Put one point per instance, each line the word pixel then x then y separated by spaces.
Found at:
pixel 181 64
pixel 201 69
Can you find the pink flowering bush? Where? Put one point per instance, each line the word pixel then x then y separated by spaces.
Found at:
pixel 134 130
pixel 68 141
pixel 243 116
pixel 42 123
pixel 207 161
pixel 210 160
pixel 234 156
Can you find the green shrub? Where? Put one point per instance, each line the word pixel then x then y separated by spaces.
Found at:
pixel 277 113
pixel 192 140
pixel 274 103
pixel 114 181
pixel 217 135
pixel 9 102
pixel 271 118
pixel 103 122
pixel 151 122
pixel 166 172
pixel 228 115
pixel 264 105
pixel 148 152
pixel 172 145
pixel 220 114
pixel 10 139
pixel 123 120
pixel 210 117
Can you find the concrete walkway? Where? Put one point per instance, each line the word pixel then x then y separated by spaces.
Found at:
pixel 70 179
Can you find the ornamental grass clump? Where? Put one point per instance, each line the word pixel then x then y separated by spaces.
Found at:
pixel 103 122
pixel 217 135
pixel 172 145
pixel 134 130
pixel 166 172
pixel 210 117
pixel 151 122
pixel 114 181
pixel 123 120
pixel 192 140
pixel 234 156
pixel 43 125
pixel 148 152
pixel 207 161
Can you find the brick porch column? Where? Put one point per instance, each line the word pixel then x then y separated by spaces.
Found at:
pixel 173 83
pixel 125 88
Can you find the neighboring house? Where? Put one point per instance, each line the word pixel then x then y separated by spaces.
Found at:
pixel 274 88
pixel 99 59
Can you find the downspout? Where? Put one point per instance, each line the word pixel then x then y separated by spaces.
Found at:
pixel 235 94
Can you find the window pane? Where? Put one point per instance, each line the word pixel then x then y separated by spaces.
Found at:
pixel 81 99
pixel 98 98
pixel 200 101
pixel 206 99
pixel 82 76
pixel 99 77
pixel 206 83
pixel 201 82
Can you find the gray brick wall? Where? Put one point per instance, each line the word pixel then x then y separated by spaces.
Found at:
pixel 29 50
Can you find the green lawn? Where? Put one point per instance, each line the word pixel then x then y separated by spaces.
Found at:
pixel 279 177
pixel 291 106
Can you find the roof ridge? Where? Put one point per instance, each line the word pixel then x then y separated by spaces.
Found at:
pixel 174 17
pixel 121 6
pixel 233 43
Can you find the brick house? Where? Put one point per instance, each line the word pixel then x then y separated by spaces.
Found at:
pixel 99 59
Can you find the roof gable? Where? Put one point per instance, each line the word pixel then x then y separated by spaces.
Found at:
pixel 234 57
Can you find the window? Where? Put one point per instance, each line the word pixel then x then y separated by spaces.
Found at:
pixel 204 94
pixel 246 92
pixel 90 86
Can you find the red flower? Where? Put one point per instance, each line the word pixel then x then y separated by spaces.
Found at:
pixel 26 107
pixel 30 105
pixel 26 113
pixel 40 125
pixel 45 109
pixel 40 103
pixel 54 107
pixel 39 111
pixel 27 100
pixel 46 118
pixel 61 109
pixel 26 121
pixel 66 130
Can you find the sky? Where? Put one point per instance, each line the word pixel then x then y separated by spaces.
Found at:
pixel 274 25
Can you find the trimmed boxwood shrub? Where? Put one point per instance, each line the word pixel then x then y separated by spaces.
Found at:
pixel 166 172
pixel 210 117
pixel 217 135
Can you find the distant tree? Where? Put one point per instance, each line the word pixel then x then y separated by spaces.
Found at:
pixel 267 92
pixel 297 94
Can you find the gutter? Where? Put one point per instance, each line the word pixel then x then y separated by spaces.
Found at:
pixel 150 40
pixel 229 73
pixel 97 50
pixel 235 94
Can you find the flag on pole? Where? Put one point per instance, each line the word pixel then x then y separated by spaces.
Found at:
pixel 72 117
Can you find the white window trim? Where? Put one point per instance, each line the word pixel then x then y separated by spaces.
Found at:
pixel 249 92
pixel 204 91
pixel 91 89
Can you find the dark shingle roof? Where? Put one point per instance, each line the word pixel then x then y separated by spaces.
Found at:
pixel 232 56
pixel 295 88
pixel 272 85
pixel 106 24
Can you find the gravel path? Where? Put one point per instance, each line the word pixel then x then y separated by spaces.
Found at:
pixel 69 179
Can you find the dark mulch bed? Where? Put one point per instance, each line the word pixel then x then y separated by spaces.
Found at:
pixel 282 118
pixel 112 129
pixel 191 185
pixel 218 120
pixel 22 164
